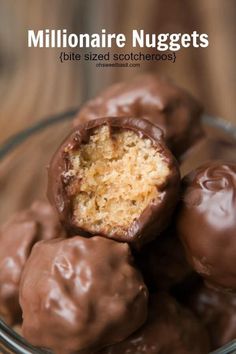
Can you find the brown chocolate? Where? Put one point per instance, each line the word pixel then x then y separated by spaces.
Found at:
pixel 79 295
pixel 170 328
pixel 66 184
pixel 156 99
pixel 163 262
pixel 217 310
pixel 17 237
pixel 207 222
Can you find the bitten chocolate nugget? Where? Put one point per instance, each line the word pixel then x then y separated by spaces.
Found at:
pixel 17 237
pixel 81 294
pixel 170 329
pixel 114 177
pixel 207 222
pixel 156 99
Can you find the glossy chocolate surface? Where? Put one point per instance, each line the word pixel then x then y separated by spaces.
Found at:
pixel 170 328
pixel 207 222
pixel 154 218
pixel 17 237
pixel 81 294
pixel 156 99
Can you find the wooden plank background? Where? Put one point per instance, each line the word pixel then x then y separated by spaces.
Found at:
pixel 34 84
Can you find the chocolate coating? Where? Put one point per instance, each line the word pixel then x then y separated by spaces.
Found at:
pixel 156 215
pixel 156 99
pixel 81 294
pixel 17 237
pixel 170 328
pixel 217 311
pixel 207 222
pixel 163 262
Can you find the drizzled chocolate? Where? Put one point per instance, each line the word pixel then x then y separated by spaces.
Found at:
pixel 207 222
pixel 156 99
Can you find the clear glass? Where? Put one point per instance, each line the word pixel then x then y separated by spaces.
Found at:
pixel 23 174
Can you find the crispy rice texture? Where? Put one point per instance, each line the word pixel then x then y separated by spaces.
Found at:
pixel 115 177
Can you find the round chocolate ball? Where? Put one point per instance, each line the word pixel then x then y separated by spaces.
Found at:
pixel 156 99
pixel 207 222
pixel 115 177
pixel 81 294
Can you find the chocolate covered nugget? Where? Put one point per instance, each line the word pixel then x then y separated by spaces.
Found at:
pixel 17 237
pixel 79 294
pixel 156 99
pixel 115 177
pixel 207 222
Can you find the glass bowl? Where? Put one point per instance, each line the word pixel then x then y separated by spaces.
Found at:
pixel 23 178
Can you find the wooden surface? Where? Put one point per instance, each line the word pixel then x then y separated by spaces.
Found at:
pixel 34 84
